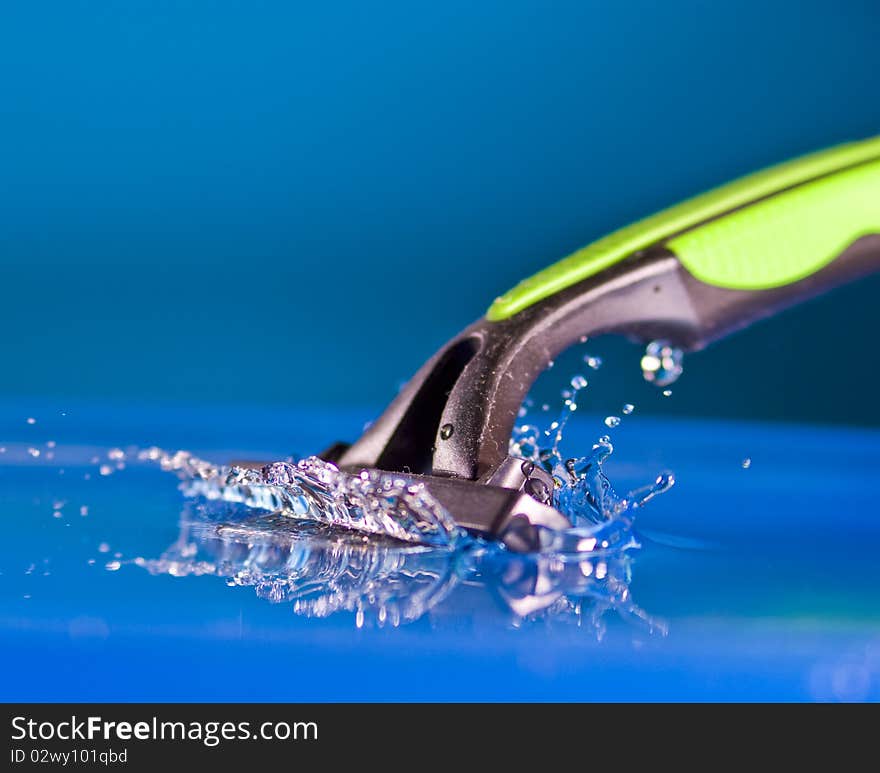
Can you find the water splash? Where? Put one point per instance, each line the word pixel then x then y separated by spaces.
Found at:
pixel 582 490
pixel 311 489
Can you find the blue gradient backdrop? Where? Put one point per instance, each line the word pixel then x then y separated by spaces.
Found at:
pixel 295 203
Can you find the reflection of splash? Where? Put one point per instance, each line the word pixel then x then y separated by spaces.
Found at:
pixel 321 571
pixel 580 590
pixel 316 570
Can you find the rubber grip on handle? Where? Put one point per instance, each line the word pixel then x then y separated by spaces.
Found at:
pixel 787 237
pixel 837 189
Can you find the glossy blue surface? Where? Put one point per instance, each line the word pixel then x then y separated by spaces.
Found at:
pixel 764 579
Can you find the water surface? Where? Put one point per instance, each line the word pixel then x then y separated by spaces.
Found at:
pixel 754 582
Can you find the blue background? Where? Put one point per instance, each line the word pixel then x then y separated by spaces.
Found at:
pixel 291 204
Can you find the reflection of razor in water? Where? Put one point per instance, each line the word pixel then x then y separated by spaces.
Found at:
pixel 320 571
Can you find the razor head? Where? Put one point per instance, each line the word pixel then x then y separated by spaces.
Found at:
pixel 509 515
pixel 512 504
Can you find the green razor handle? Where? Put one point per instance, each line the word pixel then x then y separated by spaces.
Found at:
pixel 690 274
pixel 767 230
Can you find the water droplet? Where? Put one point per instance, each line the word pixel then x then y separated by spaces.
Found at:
pixel 446 431
pixel 35 452
pixel 593 362
pixel 84 510
pixel 105 469
pixel 627 409
pixel 664 482
pixel 662 363
pixel 31 420
pixel 667 392
pixel 51 444
pixel 116 454
pixel 112 566
pixel 578 382
pixel 586 545
pixel 104 548
pixel 746 463
pixel 612 421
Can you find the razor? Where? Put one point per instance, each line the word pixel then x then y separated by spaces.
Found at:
pixel 690 275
